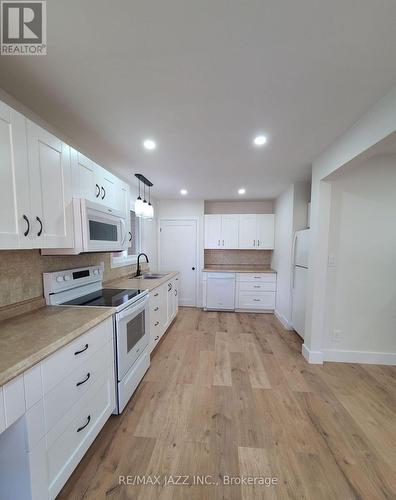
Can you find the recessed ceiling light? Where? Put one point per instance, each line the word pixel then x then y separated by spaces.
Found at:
pixel 183 192
pixel 242 191
pixel 260 140
pixel 149 144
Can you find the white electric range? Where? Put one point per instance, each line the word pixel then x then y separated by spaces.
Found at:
pixel 83 288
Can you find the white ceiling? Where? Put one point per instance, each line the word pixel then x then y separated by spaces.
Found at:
pixel 201 77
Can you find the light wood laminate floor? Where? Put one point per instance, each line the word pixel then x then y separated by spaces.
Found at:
pixel 229 395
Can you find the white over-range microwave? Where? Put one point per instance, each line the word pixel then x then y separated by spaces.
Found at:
pixel 97 228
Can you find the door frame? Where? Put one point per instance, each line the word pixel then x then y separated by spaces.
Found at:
pixel 198 257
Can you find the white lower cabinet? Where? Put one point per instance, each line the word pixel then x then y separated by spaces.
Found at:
pixel 163 308
pixel 255 291
pixel 50 415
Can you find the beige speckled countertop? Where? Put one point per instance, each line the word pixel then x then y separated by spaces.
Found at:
pixel 142 283
pixel 229 268
pixel 29 338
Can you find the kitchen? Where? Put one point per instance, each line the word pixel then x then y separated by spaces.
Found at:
pixel 182 302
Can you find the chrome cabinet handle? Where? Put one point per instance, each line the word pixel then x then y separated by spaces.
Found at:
pixel 103 193
pixel 156 323
pixel 130 236
pixel 41 226
pixel 82 350
pixel 156 308
pixel 97 190
pixel 169 287
pixel 223 242
pixel 257 286
pixel 258 243
pixel 254 243
pixel 218 244
pixel 28 226
pixel 256 300
pixel 85 380
pixel 83 427
pixel 156 295
pixel 176 292
pixel 157 337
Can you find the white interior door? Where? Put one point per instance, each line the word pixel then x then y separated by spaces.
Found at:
pixel 178 252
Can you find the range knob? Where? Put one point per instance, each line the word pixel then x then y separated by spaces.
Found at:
pixel 59 279
pixel 96 272
pixel 67 277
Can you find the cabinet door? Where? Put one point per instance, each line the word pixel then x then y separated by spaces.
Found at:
pixel 212 231
pixel 265 231
pixel 229 231
pixel 50 188
pixel 14 181
pixel 247 231
pixel 108 183
pixel 87 178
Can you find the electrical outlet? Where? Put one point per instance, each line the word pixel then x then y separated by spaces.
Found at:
pixel 336 335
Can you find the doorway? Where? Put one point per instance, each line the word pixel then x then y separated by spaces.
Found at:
pixel 177 251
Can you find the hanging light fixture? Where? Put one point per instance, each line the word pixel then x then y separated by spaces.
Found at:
pixel 150 208
pixel 143 209
pixel 139 207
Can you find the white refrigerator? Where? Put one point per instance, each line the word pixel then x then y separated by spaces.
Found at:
pixel 299 279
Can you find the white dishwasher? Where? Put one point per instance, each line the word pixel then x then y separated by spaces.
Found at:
pixel 220 291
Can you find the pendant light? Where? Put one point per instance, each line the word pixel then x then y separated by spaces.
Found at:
pixel 150 208
pixel 139 206
pixel 144 209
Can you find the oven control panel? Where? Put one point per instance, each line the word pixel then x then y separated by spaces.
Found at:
pixel 63 280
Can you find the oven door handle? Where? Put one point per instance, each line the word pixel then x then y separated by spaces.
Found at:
pixel 133 310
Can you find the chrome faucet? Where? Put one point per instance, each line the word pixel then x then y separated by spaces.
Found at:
pixel 138 271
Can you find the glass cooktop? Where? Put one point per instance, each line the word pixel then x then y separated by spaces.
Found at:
pixel 107 297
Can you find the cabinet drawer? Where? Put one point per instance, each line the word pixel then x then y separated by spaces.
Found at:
pixel 257 286
pixel 59 365
pixel 156 297
pixel 256 300
pixel 2 415
pixel 70 439
pixel 13 401
pixel 261 277
pixel 63 396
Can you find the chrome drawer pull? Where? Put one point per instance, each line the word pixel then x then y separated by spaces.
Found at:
pixel 156 308
pixel 85 380
pixel 257 286
pixel 256 300
pixel 156 295
pixel 157 323
pixel 83 427
pixel 82 350
pixel 157 337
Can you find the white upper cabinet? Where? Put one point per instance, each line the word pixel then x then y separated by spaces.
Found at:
pixel 221 231
pixel 14 181
pixel 51 189
pixel 212 231
pixel 256 231
pixel 247 231
pixel 229 231
pixel 266 231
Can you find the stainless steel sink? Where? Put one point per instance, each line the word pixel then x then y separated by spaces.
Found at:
pixel 148 276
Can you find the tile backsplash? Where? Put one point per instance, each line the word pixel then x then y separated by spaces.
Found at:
pixel 21 272
pixel 238 257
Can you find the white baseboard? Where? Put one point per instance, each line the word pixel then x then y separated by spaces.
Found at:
pixel 366 357
pixel 283 320
pixel 313 357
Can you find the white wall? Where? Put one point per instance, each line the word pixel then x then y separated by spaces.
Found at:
pixel 375 126
pixel 290 210
pixel 183 209
pixel 239 207
pixel 361 285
